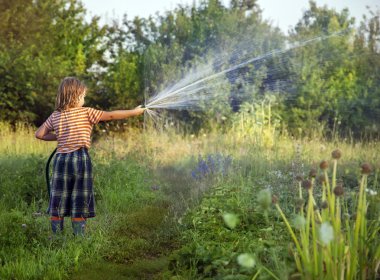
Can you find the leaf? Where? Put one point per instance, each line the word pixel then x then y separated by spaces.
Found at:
pixel 231 220
pixel 246 260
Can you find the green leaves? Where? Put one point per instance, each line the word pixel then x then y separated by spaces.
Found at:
pixel 43 42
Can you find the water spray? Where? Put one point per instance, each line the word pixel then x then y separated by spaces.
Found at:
pixel 197 85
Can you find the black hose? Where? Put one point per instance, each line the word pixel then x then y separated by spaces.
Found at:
pixel 47 174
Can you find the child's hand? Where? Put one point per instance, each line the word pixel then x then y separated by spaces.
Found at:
pixel 139 110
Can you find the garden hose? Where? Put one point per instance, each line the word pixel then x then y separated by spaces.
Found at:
pixel 47 175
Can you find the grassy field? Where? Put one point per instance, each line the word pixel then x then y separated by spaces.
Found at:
pixel 173 207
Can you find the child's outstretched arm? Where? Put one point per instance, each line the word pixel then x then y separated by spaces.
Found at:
pixel 43 133
pixel 121 114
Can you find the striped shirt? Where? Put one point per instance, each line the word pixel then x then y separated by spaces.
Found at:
pixel 73 127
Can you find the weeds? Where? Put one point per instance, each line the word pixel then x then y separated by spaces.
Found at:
pixel 335 241
pixel 144 181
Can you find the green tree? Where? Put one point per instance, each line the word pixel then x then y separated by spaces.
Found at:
pixel 324 75
pixel 40 43
pixel 363 119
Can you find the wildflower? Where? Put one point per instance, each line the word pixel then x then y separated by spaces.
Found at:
pixel 366 168
pixel 299 177
pixel 326 233
pixel 338 190
pixel 23 225
pixel 336 154
pixel 324 204
pixel 313 173
pixel 306 184
pixel 322 179
pixel 323 165
pixel 300 203
pixel 371 192
pixel 274 199
pixel 299 222
pixel 155 188
pixel 246 260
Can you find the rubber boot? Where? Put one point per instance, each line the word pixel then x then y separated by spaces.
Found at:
pixel 56 224
pixel 79 225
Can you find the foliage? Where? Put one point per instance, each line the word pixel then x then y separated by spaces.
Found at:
pixel 41 42
pixel 329 86
pixel 335 237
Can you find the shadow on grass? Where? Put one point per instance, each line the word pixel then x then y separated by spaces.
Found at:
pixel 139 269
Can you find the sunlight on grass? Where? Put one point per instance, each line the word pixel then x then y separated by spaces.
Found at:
pixel 167 197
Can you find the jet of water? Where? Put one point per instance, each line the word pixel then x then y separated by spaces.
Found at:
pixel 202 83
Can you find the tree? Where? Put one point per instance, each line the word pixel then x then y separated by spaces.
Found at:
pixel 42 42
pixel 323 73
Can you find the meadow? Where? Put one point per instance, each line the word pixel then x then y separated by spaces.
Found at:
pixel 208 206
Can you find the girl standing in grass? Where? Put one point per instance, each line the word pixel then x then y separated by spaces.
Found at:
pixel 71 185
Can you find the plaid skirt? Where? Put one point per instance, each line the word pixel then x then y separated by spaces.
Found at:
pixel 71 185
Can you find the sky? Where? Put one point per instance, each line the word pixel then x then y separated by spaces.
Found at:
pixel 282 13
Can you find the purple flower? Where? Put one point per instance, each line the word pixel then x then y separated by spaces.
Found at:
pixel 155 188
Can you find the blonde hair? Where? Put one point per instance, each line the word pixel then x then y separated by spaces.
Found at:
pixel 69 92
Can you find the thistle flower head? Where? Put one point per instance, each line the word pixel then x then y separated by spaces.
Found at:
pixel 336 154
pixel 299 177
pixel 338 190
pixel 324 204
pixel 306 184
pixel 322 179
pixel 299 203
pixel 324 165
pixel 313 173
pixel 366 168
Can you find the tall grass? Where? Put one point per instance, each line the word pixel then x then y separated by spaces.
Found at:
pixel 335 238
pixel 143 180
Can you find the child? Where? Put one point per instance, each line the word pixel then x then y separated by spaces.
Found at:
pixel 71 184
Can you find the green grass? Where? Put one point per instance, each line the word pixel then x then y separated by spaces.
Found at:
pixel 154 221
pixel 130 220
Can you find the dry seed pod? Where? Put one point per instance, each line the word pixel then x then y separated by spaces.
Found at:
pixel 274 199
pixel 338 190
pixel 299 177
pixel 306 184
pixel 324 204
pixel 336 154
pixel 313 173
pixel 366 168
pixel 324 165
pixel 300 203
pixel 322 179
